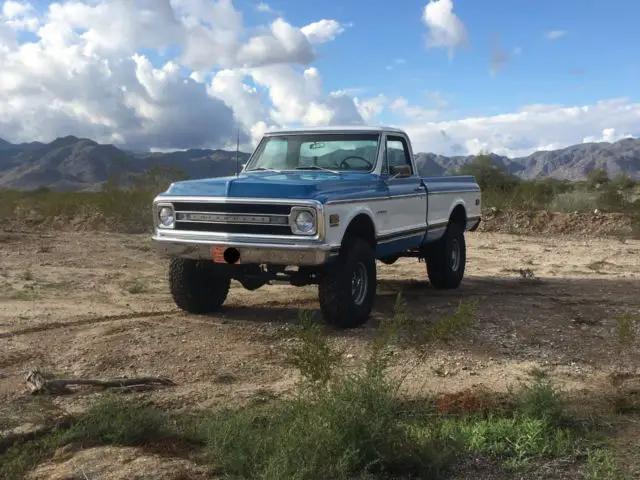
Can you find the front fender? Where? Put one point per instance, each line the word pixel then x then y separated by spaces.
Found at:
pixel 347 213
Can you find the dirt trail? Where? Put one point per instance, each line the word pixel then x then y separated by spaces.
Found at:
pixel 98 305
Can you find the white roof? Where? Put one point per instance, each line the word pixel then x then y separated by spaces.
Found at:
pixel 337 128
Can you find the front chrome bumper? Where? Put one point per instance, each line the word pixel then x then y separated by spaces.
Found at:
pixel 302 254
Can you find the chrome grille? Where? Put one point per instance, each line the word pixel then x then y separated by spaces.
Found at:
pixel 241 218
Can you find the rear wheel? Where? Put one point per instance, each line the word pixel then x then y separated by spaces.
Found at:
pixel 347 289
pixel 446 258
pixel 197 286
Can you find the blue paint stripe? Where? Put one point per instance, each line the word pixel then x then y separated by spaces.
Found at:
pixel 396 246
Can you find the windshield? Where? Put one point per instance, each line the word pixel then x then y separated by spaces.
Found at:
pixel 324 151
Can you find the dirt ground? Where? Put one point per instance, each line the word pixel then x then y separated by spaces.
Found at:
pixel 97 304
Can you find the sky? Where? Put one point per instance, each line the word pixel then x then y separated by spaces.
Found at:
pixel 460 76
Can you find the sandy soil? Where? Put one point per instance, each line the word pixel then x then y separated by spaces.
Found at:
pixel 82 304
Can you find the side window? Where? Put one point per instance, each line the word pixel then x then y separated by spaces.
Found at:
pixel 397 156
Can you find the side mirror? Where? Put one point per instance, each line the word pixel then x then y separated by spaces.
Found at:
pixel 400 171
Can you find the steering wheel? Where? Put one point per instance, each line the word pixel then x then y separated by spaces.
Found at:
pixel 345 165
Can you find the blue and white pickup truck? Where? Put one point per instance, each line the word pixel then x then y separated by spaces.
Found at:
pixel 315 206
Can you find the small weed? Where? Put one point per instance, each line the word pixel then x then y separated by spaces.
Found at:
pixel 312 354
pixel 452 325
pixel 601 465
pixel 537 373
pixel 635 226
pixel 574 201
pixel 626 330
pixel 114 421
pixel 599 265
pixel 136 286
pixel 540 400
pixel 45 248
pixel 139 247
pixel 111 421
pixel 515 440
pixel 225 378
pixel 24 294
pixel 527 274
pixel 626 402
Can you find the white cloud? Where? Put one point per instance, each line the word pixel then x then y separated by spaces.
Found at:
pixel 283 43
pixel 12 9
pixel 555 34
pixel 86 76
pixel 18 16
pixel 401 107
pixel 322 31
pixel 539 127
pixel 298 98
pixel 264 8
pixel 437 99
pixel 445 28
pixel 607 135
pixel 247 102
pixel 370 108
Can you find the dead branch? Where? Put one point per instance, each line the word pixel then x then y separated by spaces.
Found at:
pixel 38 382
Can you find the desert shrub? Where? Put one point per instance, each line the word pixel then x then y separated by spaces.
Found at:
pixel 611 199
pixel 126 211
pixel 489 174
pixel 597 177
pixel 117 421
pixel 120 207
pixel 353 429
pixel 574 201
pixel 110 421
pixel 623 182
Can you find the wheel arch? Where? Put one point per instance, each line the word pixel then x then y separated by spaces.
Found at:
pixel 458 214
pixel 361 226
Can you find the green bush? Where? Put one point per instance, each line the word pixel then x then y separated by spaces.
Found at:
pixel 506 191
pixel 355 428
pixel 118 207
pixel 580 201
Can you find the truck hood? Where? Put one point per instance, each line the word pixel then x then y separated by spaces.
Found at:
pixel 314 185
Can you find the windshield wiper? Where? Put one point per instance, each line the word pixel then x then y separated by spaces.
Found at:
pixel 264 169
pixel 316 167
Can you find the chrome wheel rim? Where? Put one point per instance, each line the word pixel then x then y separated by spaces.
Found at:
pixel 454 261
pixel 359 284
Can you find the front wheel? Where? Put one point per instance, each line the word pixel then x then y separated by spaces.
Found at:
pixel 347 289
pixel 197 286
pixel 446 259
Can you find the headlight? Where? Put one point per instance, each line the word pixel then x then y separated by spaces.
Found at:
pixel 304 222
pixel 166 217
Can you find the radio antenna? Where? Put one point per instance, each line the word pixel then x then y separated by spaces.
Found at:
pixel 238 153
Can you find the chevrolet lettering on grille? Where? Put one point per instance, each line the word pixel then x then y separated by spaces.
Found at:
pixel 223 218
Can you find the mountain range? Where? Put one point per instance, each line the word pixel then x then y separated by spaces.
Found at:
pixel 71 163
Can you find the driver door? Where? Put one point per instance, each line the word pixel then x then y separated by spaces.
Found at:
pixel 407 205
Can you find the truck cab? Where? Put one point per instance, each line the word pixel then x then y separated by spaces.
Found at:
pixel 315 206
